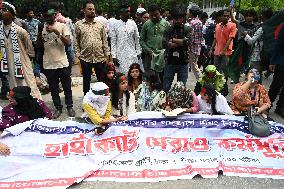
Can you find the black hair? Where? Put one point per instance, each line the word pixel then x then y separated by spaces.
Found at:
pixel 195 11
pixel 213 15
pixel 220 13
pixel 28 9
pixel 99 11
pixel 211 92
pixel 114 90
pixel 203 15
pixel 153 77
pixel 87 2
pixel 54 5
pixel 124 5
pixel 153 8
pixel 267 13
pixel 134 66
pixel 250 12
pixel 178 12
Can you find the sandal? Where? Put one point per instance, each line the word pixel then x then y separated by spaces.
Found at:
pixel 99 130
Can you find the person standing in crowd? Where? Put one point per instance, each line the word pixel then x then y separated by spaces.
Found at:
pixel 122 100
pixel 222 45
pixel 69 49
pixel 176 40
pixel 247 25
pixel 277 66
pixel 139 13
pixel 102 19
pixel 212 102
pixel 257 60
pixel 23 107
pixel 91 45
pixel 32 25
pixel 197 36
pixel 56 36
pixel 124 36
pixel 17 49
pixel 151 40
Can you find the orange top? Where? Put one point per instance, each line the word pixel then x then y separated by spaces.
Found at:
pixel 222 35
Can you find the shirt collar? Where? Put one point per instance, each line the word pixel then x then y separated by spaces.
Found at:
pixel 84 20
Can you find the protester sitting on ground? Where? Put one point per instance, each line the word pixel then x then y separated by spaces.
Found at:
pixel 151 97
pixel 135 80
pixel 23 107
pixel 250 93
pixel 4 150
pixel 212 102
pixel 181 97
pixel 108 74
pixel 213 77
pixel 122 100
pixel 97 107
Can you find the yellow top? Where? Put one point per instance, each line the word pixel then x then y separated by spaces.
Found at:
pixel 93 114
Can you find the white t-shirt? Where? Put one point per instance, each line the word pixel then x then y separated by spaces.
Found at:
pixel 54 49
pixel 221 105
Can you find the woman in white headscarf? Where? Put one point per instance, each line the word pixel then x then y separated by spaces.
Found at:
pixel 97 107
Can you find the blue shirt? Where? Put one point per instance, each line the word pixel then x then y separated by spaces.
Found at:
pixel 32 28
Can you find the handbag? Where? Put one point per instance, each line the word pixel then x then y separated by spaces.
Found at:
pixel 257 124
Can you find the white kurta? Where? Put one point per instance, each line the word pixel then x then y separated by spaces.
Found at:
pixel 222 105
pixel 125 45
pixel 26 51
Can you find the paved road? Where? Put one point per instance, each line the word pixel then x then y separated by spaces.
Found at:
pixel 220 182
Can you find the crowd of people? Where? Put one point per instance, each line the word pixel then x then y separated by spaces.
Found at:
pixel 135 61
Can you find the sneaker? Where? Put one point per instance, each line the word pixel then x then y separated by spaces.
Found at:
pixel 56 114
pixel 71 112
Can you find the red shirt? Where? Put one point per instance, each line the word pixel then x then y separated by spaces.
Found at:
pixel 222 35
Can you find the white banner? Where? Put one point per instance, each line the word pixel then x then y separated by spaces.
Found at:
pixel 57 154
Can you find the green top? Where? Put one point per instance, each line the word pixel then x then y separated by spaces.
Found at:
pixel 151 36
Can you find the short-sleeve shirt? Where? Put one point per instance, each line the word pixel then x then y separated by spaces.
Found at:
pixel 54 49
pixel 222 35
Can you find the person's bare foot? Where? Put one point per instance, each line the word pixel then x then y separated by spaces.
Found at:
pixel 4 150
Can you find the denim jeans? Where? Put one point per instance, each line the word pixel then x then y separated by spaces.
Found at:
pixel 169 73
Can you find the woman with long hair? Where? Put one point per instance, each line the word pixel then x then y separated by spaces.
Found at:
pixel 135 80
pixel 123 101
pixel 23 107
pixel 108 74
pixel 212 102
pixel 151 97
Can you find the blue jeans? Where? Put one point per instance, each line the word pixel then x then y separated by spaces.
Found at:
pixel 169 73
